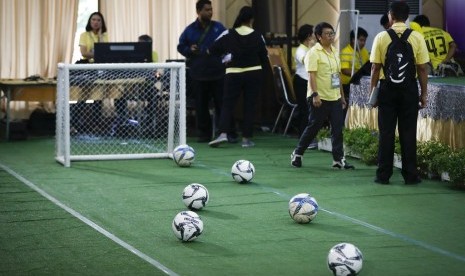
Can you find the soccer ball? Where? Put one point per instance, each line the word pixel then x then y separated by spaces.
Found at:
pixel 345 259
pixel 242 171
pixel 195 196
pixel 303 208
pixel 187 226
pixel 183 155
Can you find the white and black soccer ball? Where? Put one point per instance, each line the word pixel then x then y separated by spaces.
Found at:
pixel 187 226
pixel 345 259
pixel 243 171
pixel 195 196
pixel 184 155
pixel 303 208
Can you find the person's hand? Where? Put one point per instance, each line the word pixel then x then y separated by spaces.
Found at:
pixel 344 103
pixel 194 48
pixel 423 101
pixel 316 101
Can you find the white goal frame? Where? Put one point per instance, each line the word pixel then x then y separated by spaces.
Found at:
pixel 174 98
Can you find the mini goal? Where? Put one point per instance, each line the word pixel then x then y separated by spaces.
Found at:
pixel 119 111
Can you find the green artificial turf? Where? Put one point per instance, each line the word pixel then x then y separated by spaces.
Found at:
pixel 401 230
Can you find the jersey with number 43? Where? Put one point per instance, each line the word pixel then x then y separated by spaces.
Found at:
pixel 437 41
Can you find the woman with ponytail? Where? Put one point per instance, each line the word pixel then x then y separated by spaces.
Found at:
pixel 244 53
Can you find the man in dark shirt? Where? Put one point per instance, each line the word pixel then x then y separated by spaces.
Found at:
pixel 206 71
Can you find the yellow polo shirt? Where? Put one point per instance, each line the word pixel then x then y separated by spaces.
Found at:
pixel 382 41
pixel 89 38
pixel 324 64
pixel 361 57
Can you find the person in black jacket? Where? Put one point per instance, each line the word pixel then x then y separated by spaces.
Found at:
pixel 244 53
pixel 206 72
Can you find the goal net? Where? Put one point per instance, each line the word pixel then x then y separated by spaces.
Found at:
pixel 119 111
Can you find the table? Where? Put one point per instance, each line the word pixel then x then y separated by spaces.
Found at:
pixel 443 119
pixel 21 90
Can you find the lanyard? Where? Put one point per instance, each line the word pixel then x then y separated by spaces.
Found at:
pixel 329 61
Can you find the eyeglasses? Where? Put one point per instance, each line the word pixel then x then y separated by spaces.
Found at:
pixel 330 33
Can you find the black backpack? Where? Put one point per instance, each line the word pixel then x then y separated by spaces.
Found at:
pixel 399 65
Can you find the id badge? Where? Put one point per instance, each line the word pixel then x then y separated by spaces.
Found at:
pixel 335 81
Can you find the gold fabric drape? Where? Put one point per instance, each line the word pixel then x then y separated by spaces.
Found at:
pixel 446 131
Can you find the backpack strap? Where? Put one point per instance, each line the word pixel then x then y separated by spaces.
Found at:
pixel 392 34
pixel 404 35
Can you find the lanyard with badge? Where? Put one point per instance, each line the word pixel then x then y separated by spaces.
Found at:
pixel 335 80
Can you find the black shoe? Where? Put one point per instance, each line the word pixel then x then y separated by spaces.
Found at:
pixel 342 165
pixel 413 181
pixel 381 181
pixel 296 160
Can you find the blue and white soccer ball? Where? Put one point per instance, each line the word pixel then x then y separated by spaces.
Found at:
pixel 195 196
pixel 303 208
pixel 345 259
pixel 187 226
pixel 184 155
pixel 243 171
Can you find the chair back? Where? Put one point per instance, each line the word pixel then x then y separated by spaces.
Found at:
pixel 282 88
pixel 276 57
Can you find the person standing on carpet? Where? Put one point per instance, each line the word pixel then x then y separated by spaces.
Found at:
pixel 326 97
pixel 398 106
pixel 206 72
pixel 244 53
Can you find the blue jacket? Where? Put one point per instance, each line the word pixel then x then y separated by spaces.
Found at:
pixel 202 66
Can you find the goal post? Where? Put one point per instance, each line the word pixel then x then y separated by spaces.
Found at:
pixel 119 111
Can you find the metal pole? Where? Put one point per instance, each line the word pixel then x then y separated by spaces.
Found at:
pixel 289 32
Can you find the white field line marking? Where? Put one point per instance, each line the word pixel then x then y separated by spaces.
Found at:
pixel 375 228
pixel 92 224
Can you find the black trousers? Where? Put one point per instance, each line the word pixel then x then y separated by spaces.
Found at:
pixel 248 84
pixel 331 110
pixel 300 89
pixel 397 107
pixel 205 91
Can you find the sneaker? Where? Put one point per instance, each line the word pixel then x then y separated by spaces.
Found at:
pixel 215 143
pixel 247 144
pixel 342 165
pixel 296 160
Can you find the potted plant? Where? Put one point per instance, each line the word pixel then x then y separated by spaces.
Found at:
pixel 453 163
pixel 362 142
pixel 430 157
pixel 324 139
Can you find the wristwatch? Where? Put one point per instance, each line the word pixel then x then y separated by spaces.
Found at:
pixel 314 94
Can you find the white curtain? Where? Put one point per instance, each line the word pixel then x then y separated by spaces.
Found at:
pixel 35 36
pixel 163 20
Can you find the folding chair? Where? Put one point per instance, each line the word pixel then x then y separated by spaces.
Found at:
pixel 282 93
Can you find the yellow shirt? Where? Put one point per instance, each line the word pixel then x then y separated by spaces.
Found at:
pixel 89 38
pixel 324 64
pixel 437 42
pixel 361 57
pixel 382 41
pixel 154 56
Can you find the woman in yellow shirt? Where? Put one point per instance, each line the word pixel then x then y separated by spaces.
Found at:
pixel 326 97
pixel 96 31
